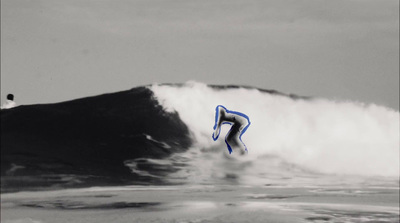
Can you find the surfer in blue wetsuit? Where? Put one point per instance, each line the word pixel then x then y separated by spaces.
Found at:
pixel 239 121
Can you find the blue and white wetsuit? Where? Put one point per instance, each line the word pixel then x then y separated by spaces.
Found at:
pixel 239 121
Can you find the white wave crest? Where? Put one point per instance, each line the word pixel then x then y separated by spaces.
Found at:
pixel 334 137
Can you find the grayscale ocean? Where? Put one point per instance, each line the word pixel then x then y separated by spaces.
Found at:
pixel 147 155
pixel 204 203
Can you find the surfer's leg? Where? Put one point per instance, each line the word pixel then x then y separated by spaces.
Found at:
pixel 232 140
pixel 242 130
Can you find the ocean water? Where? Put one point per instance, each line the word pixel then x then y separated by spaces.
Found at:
pixel 291 141
pixel 308 160
pixel 201 204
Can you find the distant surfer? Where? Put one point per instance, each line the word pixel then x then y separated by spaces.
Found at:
pixel 239 121
pixel 10 103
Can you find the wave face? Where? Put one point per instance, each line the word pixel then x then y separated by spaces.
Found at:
pixel 88 141
pixel 288 134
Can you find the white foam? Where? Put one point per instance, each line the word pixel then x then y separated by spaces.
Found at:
pixel 319 135
pixel 8 104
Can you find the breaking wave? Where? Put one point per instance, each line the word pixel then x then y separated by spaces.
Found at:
pixel 288 134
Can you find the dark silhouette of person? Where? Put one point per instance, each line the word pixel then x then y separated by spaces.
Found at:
pixel 239 121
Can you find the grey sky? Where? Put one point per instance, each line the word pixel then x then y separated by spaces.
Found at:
pixel 54 50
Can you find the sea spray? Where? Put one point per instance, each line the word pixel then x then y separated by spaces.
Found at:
pixel 317 135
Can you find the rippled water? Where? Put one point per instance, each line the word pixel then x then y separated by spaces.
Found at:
pixel 202 203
